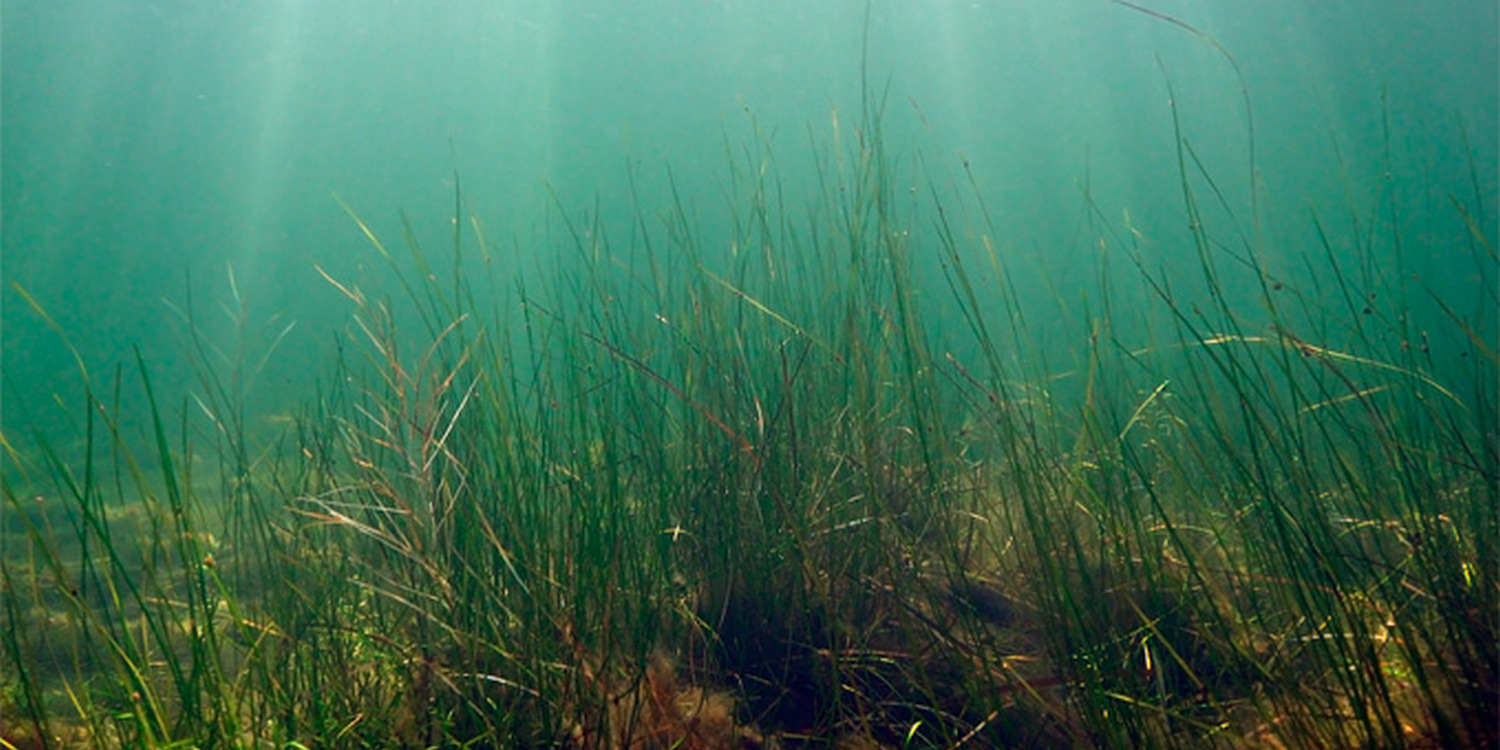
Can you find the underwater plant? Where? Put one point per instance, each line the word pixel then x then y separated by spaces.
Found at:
pixel 799 492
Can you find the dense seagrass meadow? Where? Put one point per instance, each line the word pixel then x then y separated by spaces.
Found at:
pixel 836 469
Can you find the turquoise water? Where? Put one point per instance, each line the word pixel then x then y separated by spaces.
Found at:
pixel 154 150
pixel 182 180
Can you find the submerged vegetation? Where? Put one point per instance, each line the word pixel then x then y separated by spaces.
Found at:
pixel 782 489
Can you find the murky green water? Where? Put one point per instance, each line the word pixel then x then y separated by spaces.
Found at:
pixel 196 190
pixel 150 147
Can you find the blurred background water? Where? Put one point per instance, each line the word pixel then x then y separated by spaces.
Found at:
pixel 151 148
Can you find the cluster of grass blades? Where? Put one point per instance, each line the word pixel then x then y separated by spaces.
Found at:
pixel 784 496
pixel 117 572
